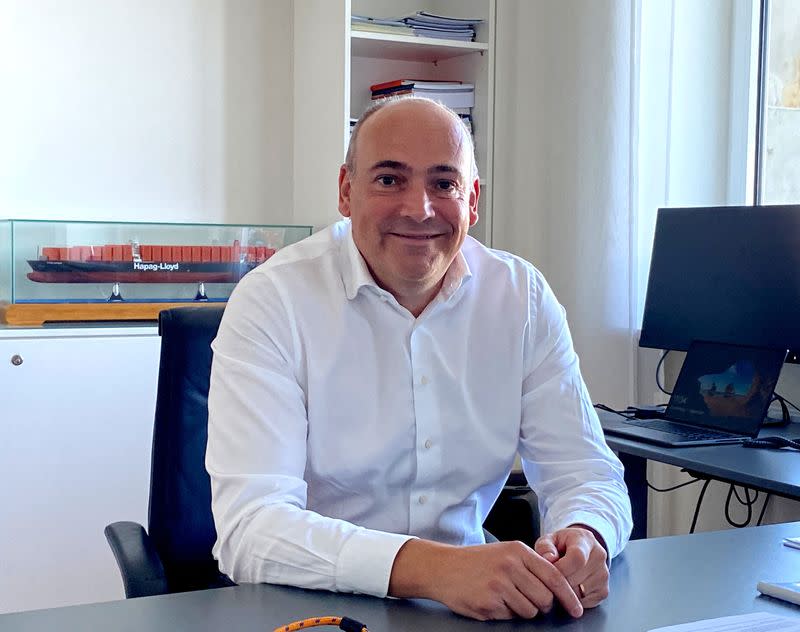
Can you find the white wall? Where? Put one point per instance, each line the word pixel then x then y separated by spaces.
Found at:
pixel 146 110
pixel 321 67
pixel 562 169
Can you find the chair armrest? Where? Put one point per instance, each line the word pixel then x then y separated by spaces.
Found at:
pixel 515 514
pixel 139 564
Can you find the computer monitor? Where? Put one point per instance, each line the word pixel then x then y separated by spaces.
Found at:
pixel 727 274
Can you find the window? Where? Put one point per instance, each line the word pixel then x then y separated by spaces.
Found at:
pixel 778 139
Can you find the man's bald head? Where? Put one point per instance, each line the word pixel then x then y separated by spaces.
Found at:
pixel 409 103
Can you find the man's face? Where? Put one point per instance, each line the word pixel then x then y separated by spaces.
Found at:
pixel 412 197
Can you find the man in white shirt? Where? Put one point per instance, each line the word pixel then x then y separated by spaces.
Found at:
pixel 372 385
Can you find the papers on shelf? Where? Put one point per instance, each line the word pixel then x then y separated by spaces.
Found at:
pixel 454 94
pixel 421 24
pixel 423 84
pixel 754 622
pixel 378 25
pixel 426 17
pixel 792 542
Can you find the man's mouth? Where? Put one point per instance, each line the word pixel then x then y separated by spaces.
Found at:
pixel 417 236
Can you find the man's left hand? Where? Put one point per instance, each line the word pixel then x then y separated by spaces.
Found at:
pixel 581 558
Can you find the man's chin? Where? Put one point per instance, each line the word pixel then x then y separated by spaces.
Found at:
pixel 421 275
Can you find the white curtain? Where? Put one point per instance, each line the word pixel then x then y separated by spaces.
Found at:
pixel 564 169
pixel 605 111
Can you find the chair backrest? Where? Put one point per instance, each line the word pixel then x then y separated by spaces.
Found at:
pixel 180 520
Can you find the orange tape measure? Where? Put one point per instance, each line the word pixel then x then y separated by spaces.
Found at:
pixel 345 623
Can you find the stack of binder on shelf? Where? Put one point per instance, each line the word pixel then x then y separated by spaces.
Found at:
pixel 379 25
pixel 457 95
pixel 421 24
pixel 426 24
pixel 453 94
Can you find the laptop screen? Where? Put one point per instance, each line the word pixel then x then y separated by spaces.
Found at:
pixel 725 387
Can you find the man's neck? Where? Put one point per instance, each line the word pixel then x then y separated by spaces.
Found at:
pixel 415 297
pixel 416 300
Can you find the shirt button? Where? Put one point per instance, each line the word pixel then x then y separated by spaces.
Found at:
pixel 424 380
pixel 428 444
pixel 423 499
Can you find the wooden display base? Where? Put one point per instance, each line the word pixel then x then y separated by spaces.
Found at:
pixel 39 313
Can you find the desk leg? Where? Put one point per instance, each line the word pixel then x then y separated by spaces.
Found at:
pixel 636 480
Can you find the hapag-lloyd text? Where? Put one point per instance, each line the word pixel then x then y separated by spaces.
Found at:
pixel 153 267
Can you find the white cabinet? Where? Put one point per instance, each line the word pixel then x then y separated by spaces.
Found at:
pixel 77 419
pixel 335 66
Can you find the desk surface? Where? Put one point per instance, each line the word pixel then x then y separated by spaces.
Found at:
pixel 776 471
pixel 656 582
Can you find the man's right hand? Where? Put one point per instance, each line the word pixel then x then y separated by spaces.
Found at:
pixel 488 581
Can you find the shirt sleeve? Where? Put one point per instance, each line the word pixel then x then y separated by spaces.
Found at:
pixel 566 460
pixel 256 457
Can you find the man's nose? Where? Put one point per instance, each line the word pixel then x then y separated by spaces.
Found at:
pixel 417 203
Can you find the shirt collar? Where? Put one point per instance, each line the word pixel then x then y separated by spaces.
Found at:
pixel 356 274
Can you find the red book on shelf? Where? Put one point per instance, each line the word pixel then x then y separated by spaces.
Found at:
pixel 392 93
pixel 405 82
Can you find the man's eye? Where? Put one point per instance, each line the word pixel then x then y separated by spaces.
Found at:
pixel 387 180
pixel 446 185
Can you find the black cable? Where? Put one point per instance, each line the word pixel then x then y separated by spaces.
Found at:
pixel 763 510
pixel 669 489
pixel 747 496
pixel 699 502
pixel 782 398
pixel 785 418
pixel 658 368
pixel 748 504
pixel 775 443
pixel 608 409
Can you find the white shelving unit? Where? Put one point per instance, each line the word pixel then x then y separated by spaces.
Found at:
pixel 359 59
pixel 408 47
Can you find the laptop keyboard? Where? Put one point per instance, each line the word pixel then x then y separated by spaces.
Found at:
pixel 686 432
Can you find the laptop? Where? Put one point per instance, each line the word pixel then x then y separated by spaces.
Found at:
pixel 721 396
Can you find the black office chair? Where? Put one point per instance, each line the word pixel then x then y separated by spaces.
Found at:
pixel 515 514
pixel 174 554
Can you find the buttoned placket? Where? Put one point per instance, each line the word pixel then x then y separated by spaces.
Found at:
pixel 427 423
pixel 426 418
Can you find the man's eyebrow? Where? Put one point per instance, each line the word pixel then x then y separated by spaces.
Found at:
pixel 402 166
pixel 390 164
pixel 443 168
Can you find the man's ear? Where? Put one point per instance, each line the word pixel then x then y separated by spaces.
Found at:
pixel 344 191
pixel 474 196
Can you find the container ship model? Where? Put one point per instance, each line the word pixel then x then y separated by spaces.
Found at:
pixel 135 263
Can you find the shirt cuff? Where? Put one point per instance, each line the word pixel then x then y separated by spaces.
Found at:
pixel 606 531
pixel 366 560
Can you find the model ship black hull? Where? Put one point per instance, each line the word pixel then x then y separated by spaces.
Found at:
pixel 134 263
pixel 137 272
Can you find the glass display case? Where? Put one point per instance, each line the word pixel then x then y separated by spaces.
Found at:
pixel 66 263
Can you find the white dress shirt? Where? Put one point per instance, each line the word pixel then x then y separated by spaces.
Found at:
pixel 340 425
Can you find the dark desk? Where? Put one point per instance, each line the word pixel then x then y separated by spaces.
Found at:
pixel 656 582
pixel 773 471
